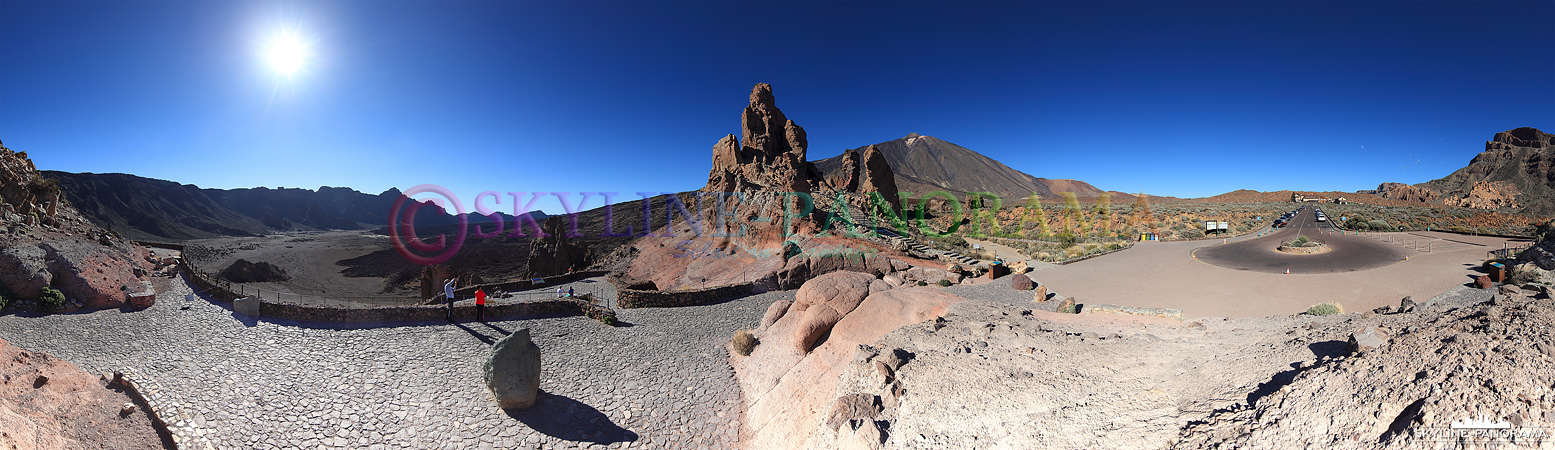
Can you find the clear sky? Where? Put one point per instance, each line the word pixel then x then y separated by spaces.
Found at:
pixel 1179 99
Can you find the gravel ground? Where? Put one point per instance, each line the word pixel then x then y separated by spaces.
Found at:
pixel 999 291
pixel 660 381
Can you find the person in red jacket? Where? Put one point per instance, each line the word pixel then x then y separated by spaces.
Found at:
pixel 480 305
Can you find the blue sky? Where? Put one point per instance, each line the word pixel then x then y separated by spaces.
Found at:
pixel 1180 99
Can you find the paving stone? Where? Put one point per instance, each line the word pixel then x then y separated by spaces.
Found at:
pixel 414 385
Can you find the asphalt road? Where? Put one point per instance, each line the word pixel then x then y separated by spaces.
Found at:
pixel 1349 252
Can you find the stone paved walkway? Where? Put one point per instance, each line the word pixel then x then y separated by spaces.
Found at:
pixel 661 382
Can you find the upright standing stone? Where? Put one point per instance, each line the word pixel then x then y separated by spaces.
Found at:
pixel 513 370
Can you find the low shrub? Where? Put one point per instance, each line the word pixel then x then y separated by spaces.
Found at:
pixel 1324 309
pixel 744 342
pixel 1518 277
pixel 922 283
pixel 944 282
pixel 51 300
pixel 3 301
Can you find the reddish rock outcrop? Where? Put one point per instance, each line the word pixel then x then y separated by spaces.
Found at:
pixel 1488 195
pixel 823 301
pixel 49 403
pixel 876 177
pixel 1401 191
pixel 47 243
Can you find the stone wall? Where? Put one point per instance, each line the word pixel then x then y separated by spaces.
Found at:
pixel 464 310
pixel 632 298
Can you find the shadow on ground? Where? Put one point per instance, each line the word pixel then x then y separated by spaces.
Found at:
pixel 564 418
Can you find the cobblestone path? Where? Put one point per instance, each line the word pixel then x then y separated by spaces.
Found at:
pixel 660 382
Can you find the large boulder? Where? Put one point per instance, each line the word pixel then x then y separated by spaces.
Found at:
pixel 513 370
pixel 852 406
pixel 823 301
pixel 23 270
pixel 1021 282
pixel 775 311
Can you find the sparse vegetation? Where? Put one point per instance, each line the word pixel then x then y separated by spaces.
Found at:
pixel 744 342
pixel 944 283
pixel 3 302
pixel 1325 309
pixel 1514 276
pixel 922 283
pixel 50 300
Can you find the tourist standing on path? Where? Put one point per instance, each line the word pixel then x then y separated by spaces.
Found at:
pixel 480 305
pixel 448 293
pixel 569 291
pixel 558 292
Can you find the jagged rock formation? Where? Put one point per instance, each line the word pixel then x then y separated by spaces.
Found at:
pixel 1487 195
pixel 1401 191
pixel 1517 169
pixel 557 253
pixel 772 157
pixel 49 244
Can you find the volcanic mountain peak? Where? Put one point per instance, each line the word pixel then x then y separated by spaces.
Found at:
pixel 925 164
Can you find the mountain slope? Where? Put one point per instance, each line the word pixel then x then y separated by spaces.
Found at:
pixel 146 208
pixel 1517 168
pixel 924 164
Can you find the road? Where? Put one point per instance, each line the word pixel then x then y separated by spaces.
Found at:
pixel 1349 253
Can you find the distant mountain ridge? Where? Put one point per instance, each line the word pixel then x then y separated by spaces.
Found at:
pixel 152 209
pixel 924 164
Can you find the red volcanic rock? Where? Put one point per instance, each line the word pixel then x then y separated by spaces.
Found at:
pixel 1401 191
pixel 823 301
pixel 49 403
pixel 1021 282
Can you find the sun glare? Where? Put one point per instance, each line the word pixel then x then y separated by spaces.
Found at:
pixel 286 54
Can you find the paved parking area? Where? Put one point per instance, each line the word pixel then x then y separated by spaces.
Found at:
pixel 1165 275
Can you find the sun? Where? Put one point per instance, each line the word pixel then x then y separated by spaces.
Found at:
pixel 286 54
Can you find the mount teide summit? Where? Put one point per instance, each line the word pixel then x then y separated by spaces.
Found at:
pixel 925 164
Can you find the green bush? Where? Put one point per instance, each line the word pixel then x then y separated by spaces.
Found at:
pixel 921 283
pixel 1324 309
pixel 51 300
pixel 944 282
pixel 3 301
